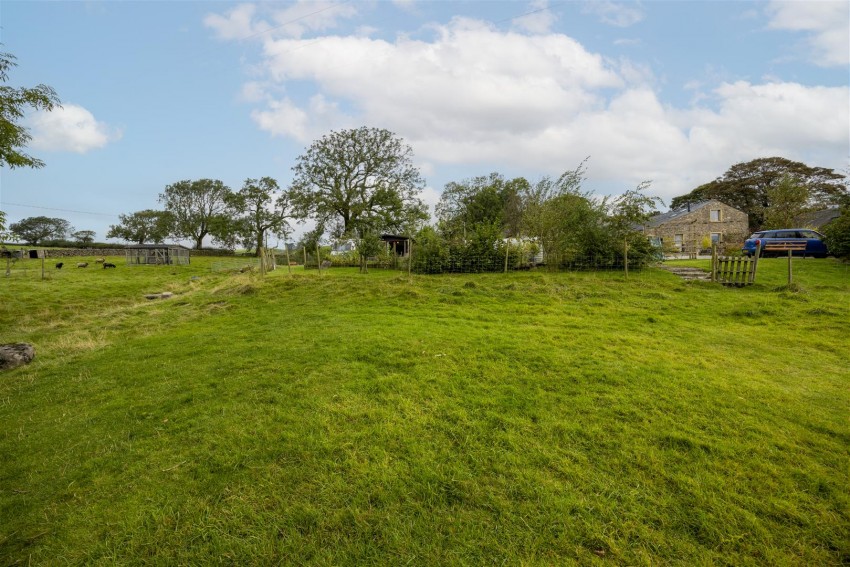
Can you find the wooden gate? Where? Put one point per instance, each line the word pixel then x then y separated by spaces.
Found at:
pixel 737 271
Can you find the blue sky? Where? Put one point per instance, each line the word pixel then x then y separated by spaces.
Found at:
pixel 674 92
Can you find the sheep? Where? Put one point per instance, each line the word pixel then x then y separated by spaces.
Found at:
pixel 59 265
pixel 83 265
pixel 99 260
pixel 108 265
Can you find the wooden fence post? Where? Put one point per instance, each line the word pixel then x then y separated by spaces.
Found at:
pixel 305 257
pixel 288 263
pixel 714 261
pixel 789 267
pixel 756 263
pixel 318 259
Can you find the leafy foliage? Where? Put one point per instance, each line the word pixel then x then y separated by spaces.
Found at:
pixel 573 227
pixel 83 236
pixel 486 201
pixel 258 209
pixel 837 233
pixel 788 200
pixel 357 181
pixel 199 208
pixel 747 186
pixel 37 229
pixel 13 105
pixel 143 226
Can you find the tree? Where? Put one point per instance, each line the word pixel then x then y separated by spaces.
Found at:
pixel 745 186
pixel 3 234
pixel 489 204
pixel 788 200
pixel 83 237
pixel 260 208
pixel 550 206
pixel 632 208
pixel 199 208
pixel 36 229
pixel 143 226
pixel 13 103
pixel 357 182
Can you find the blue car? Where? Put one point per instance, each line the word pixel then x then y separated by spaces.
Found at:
pixel 815 245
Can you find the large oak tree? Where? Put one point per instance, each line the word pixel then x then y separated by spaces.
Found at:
pixel 37 229
pixel 357 182
pixel 199 208
pixel 142 227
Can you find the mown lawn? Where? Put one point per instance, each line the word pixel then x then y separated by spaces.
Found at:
pixel 529 418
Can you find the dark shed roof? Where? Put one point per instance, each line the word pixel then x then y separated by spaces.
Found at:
pixel 155 246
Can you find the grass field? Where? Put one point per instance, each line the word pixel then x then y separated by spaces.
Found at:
pixel 529 418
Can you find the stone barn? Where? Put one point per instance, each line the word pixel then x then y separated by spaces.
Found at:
pixel 690 228
pixel 156 254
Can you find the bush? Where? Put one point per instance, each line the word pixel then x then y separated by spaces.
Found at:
pixel 837 234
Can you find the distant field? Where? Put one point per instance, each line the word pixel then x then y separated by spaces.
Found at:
pixel 528 418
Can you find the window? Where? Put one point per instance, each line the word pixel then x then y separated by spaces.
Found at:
pixel 679 239
pixel 715 215
pixel 716 237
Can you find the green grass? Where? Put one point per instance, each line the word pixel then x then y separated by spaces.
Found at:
pixel 532 418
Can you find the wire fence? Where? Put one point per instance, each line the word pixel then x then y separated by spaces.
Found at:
pixel 235 263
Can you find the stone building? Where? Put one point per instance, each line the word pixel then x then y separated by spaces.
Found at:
pixel 690 228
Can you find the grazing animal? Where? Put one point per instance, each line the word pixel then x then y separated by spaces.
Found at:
pixel 59 265
pixel 108 265
pixel 83 265
pixel 99 260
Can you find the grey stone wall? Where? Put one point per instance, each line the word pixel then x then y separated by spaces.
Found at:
pixel 697 225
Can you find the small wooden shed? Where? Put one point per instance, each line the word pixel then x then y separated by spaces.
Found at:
pixel 399 245
pixel 156 254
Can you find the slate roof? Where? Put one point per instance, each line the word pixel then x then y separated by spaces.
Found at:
pixel 658 220
pixel 818 219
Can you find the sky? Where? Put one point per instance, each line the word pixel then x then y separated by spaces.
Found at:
pixel 668 91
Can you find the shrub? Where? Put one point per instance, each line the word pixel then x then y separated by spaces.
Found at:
pixel 837 234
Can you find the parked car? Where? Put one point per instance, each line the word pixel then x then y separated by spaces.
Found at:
pixel 815 245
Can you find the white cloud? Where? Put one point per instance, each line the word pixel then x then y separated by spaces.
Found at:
pixel 617 14
pixel 237 24
pixel 70 128
pixel 627 41
pixel 293 21
pixel 826 22
pixel 773 118
pixel 471 78
pixel 539 19
pixel 475 96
